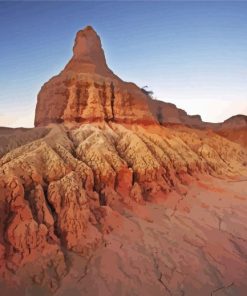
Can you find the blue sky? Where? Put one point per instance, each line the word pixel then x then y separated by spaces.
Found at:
pixel 193 54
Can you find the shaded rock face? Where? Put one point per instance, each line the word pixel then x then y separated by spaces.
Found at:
pixel 94 176
pixel 235 122
pixel 234 129
pixel 167 112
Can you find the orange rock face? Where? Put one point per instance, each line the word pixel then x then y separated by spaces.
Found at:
pixel 87 90
pixel 78 197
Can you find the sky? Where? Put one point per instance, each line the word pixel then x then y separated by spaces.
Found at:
pixel 193 54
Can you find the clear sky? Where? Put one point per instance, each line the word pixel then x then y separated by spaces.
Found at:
pixel 193 54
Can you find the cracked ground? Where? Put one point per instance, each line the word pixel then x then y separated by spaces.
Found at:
pixel 193 246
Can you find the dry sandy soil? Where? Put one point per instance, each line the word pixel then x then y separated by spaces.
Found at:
pixel 190 244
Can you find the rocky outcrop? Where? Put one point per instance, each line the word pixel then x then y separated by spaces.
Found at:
pixel 87 90
pixel 235 122
pixel 170 113
pixel 234 129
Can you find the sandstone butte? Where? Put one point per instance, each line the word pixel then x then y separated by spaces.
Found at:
pixel 114 193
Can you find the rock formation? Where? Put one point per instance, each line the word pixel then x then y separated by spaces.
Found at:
pixel 102 148
pixel 87 90
pixel 235 129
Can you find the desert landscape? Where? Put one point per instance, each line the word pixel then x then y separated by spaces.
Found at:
pixel 116 193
